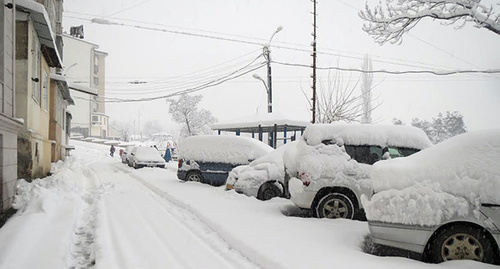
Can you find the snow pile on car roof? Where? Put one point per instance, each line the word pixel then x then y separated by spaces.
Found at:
pixel 439 182
pixel 367 134
pixel 217 148
pixel 148 151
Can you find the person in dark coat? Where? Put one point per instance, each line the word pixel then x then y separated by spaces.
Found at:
pixel 112 151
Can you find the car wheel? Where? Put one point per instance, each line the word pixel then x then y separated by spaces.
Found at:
pixel 267 191
pixel 335 205
pixel 134 164
pixel 195 176
pixel 461 242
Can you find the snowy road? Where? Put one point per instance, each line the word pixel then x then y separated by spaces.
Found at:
pixel 96 212
pixel 133 214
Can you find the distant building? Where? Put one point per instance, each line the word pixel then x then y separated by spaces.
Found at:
pixel 86 76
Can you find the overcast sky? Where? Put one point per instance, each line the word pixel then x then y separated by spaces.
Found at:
pixel 217 37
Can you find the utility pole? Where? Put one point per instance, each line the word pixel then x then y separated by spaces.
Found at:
pixel 267 55
pixel 269 88
pixel 314 63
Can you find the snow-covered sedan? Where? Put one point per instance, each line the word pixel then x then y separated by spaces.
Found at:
pixel 262 178
pixel 330 169
pixel 443 202
pixel 125 154
pixel 209 158
pixel 140 157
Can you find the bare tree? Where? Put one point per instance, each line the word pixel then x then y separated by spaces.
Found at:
pixel 339 101
pixel 388 23
pixel 124 128
pixel 185 112
pixel 366 89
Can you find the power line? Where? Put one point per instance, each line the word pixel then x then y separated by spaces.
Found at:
pixel 437 73
pixel 176 85
pixel 127 8
pixel 249 40
pixel 250 67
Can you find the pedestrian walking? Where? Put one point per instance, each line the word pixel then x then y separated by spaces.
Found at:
pixel 112 151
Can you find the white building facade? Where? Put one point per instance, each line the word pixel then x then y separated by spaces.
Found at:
pixel 85 71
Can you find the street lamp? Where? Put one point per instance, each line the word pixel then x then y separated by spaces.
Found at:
pixel 255 76
pixel 67 69
pixel 269 86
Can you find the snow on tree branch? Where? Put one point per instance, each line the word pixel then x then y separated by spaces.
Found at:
pixel 389 22
pixel 192 120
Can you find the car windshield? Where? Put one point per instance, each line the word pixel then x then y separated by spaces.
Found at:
pixel 370 154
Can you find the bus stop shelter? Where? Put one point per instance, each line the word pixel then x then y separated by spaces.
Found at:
pixel 277 126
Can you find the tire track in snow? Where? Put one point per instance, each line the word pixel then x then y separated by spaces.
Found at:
pixel 82 250
pixel 200 228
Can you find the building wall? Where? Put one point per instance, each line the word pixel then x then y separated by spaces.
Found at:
pixel 32 73
pixel 81 120
pixel 57 123
pixel 79 62
pixel 100 79
pixel 8 126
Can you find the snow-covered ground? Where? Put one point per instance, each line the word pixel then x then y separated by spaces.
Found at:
pixel 96 212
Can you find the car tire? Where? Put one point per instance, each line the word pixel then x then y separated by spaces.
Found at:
pixel 333 206
pixel 194 176
pixel 135 165
pixel 461 242
pixel 268 191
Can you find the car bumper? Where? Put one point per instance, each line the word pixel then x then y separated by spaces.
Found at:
pixel 181 174
pixel 304 198
pixel 408 237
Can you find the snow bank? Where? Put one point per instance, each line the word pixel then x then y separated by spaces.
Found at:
pixel 228 149
pixel 449 179
pixel 50 212
pixel 367 134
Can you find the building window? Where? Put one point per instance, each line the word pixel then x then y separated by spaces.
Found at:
pixel 35 68
pixel 96 81
pixel 45 91
pixel 96 64
pixel 96 120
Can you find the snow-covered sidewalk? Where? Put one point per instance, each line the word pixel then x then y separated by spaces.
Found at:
pixel 96 212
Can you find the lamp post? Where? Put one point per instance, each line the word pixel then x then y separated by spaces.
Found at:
pixel 67 69
pixel 269 86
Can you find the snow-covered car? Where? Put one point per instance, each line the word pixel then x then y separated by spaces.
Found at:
pixel 262 178
pixel 140 157
pixel 209 158
pixel 329 170
pixel 125 154
pixel 443 202
pixel 76 136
